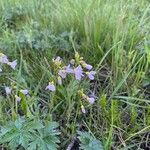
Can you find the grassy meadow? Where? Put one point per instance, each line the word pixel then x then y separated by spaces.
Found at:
pixel 44 106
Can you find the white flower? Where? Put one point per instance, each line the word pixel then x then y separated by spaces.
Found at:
pixel 8 90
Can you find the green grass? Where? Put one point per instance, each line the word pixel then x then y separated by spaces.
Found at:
pixel 113 36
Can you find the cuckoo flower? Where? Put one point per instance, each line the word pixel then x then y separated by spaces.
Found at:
pixel 13 64
pixel 25 92
pixel 50 87
pixel 3 58
pixel 91 100
pixel 62 73
pixel 88 66
pixel 8 90
pixel 91 74
pixel 78 73
pixel 85 65
pixel 18 99
pixel 69 69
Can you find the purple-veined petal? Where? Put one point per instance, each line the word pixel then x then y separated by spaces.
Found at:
pixel 78 73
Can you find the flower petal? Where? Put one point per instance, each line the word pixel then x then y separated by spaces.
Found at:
pixel 88 66
pixel 25 92
pixel 69 69
pixel 13 64
pixel 62 73
pixel 78 72
pixel 91 100
pixel 18 99
pixel 3 59
pixel 50 87
pixel 91 77
pixel 8 90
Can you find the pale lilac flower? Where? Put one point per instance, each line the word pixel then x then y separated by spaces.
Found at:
pixel 91 74
pixel 78 72
pixel 25 92
pixel 88 66
pixel 8 90
pixel 3 59
pixel 18 99
pixel 1 70
pixel 50 87
pixel 62 73
pixel 59 80
pixel 13 64
pixel 69 69
pixel 85 65
pixel 91 100
pixel 83 109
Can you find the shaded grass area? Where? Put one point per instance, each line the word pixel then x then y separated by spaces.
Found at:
pixel 112 36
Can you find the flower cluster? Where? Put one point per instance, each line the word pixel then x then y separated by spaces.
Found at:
pixel 83 96
pixel 77 68
pixel 9 90
pixel 4 60
pixel 13 64
pixel 25 92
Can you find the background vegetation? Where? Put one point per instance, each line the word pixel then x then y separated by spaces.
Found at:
pixel 113 36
